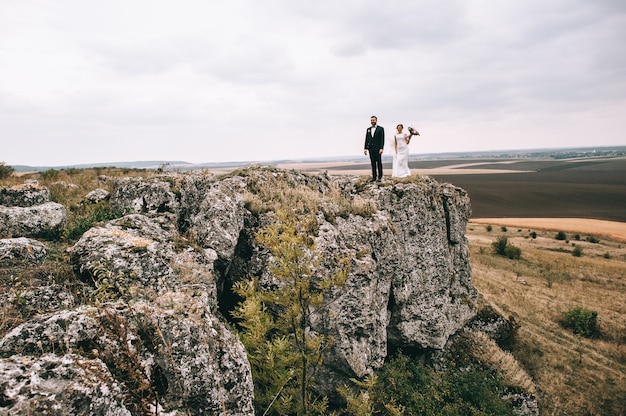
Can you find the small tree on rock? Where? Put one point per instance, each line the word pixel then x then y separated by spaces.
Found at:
pixel 275 323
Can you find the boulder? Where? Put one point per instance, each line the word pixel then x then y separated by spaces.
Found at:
pixel 97 195
pixel 135 256
pixel 22 248
pixel 180 360
pixel 59 385
pixel 217 221
pixel 138 195
pixel 25 195
pixel 44 220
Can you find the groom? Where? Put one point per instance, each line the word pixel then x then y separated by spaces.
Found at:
pixel 374 143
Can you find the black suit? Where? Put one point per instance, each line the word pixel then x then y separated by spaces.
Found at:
pixel 374 144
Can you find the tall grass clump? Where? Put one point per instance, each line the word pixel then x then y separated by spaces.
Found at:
pixel 50 174
pixel 85 216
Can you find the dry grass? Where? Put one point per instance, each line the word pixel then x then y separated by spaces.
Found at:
pixel 492 356
pixel 605 229
pixel 301 194
pixel 574 375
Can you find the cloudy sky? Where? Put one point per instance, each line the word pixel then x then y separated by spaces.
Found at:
pixel 245 80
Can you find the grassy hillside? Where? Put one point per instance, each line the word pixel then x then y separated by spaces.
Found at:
pixel 575 375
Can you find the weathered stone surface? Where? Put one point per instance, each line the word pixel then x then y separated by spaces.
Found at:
pixel 218 220
pixel 58 385
pixel 136 254
pixel 137 195
pixel 25 195
pixel 34 221
pixel 22 249
pixel 97 195
pixel 357 315
pixel 523 404
pixel 494 325
pixel 408 285
pixel 432 293
pixel 180 355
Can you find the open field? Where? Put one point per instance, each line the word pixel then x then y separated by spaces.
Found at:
pixel 574 375
pixel 531 188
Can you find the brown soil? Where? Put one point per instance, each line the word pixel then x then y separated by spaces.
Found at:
pixel 557 189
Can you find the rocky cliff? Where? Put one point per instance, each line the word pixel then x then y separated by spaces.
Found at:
pixel 148 330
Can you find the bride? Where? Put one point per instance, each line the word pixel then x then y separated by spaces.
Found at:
pixel 401 156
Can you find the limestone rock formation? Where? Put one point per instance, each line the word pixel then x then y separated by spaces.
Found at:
pixel 181 361
pixel 26 211
pixel 158 288
pixel 66 384
pixel 409 284
pixel 22 249
pixel 136 195
pixel 35 221
pixel 131 249
pixel 26 195
pixel 97 195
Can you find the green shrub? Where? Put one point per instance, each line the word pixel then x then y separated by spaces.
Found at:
pixel 581 321
pixel 504 229
pixel 410 387
pixel 5 170
pixel 561 236
pixel 499 246
pixel 512 252
pixel 593 239
pixel 577 252
pixel 489 228
pixel 533 235
pixel 502 247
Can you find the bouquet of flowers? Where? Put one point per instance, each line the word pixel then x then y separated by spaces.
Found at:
pixel 413 131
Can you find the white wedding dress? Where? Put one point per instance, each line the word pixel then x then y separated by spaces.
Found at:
pixel 400 168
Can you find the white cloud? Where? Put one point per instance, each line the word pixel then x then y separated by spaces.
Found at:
pixel 241 80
